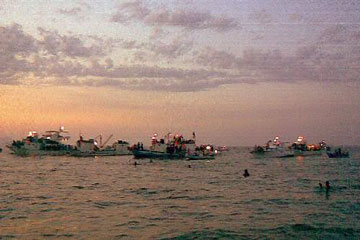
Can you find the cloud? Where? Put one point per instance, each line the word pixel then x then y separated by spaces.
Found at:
pixel 340 35
pixel 256 65
pixel 80 7
pixel 177 47
pixel 72 45
pixel 187 19
pixel 215 58
pixel 14 41
pixel 140 77
pixel 128 11
pixel 333 57
pixel 76 60
pixel 157 33
pixel 261 17
pixel 15 47
pixel 71 11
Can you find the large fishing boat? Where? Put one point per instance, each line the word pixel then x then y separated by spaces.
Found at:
pixel 95 147
pixel 169 147
pixel 51 143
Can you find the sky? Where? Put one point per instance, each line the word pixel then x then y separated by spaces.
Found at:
pixel 236 72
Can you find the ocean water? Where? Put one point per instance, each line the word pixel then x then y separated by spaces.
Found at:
pixel 110 198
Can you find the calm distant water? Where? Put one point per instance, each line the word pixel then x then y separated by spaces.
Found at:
pixel 109 198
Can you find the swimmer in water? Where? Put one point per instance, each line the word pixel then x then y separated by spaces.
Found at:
pixel 320 185
pixel 246 173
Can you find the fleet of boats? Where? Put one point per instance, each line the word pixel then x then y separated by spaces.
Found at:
pixel 55 143
pixel 278 149
pixel 171 146
pixel 174 147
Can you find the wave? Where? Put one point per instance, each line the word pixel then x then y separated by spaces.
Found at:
pixel 290 231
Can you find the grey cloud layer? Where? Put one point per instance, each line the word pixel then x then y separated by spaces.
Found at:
pixel 59 59
pixel 73 46
pixel 333 57
pixel 187 19
pixel 69 61
pixel 15 47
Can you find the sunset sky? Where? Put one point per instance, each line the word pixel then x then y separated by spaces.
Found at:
pixel 237 72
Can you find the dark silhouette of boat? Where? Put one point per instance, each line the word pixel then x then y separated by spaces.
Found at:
pixel 338 154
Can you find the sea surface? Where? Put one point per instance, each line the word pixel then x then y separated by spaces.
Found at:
pixel 110 198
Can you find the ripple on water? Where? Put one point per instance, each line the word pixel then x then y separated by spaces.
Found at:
pixel 7 209
pixel 54 235
pixel 7 236
pixel 130 224
pixel 292 231
pixel 121 236
pixel 306 231
pixel 207 234
pixel 197 215
pixel 105 204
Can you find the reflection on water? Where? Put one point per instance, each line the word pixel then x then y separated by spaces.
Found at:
pixel 110 198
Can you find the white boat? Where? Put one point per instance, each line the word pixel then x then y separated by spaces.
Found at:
pixel 203 152
pixel 93 147
pixel 52 143
pixel 121 147
pixel 274 149
pixel 301 148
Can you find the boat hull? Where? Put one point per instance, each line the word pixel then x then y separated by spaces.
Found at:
pixel 308 153
pixel 274 154
pixel 196 157
pixel 104 153
pixel 157 155
pixel 23 152
pixel 334 155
